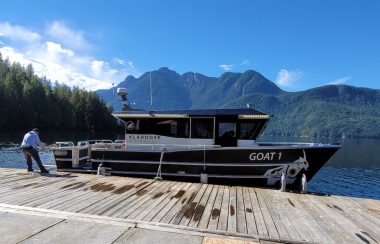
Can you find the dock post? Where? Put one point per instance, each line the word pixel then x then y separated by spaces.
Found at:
pixel 304 184
pixel 283 182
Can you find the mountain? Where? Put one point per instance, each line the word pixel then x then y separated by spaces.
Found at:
pixel 333 110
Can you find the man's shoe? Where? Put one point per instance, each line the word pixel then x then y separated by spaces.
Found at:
pixel 30 170
pixel 45 171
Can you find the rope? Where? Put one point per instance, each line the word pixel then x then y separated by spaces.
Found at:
pixel 158 175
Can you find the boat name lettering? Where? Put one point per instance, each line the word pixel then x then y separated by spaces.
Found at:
pixel 143 137
pixel 265 156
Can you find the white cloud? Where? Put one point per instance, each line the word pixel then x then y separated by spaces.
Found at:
pixel 58 62
pixel 120 61
pixel 245 62
pixel 18 33
pixel 68 37
pixel 226 67
pixel 288 77
pixel 128 63
pixel 340 81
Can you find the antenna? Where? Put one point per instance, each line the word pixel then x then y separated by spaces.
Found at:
pixel 151 92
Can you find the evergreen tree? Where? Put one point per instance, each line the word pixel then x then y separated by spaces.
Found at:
pixel 27 101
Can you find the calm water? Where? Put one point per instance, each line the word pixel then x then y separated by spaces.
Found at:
pixel 353 171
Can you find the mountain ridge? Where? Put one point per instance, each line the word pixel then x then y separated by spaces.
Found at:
pixel 330 110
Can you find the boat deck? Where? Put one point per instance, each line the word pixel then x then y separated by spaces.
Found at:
pixel 199 210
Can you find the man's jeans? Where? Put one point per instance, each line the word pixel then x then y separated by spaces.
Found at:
pixel 30 152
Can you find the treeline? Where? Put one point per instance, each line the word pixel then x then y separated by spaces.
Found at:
pixel 28 101
pixel 353 113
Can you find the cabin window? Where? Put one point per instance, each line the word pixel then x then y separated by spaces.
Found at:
pixel 247 130
pixel 227 130
pixel 202 128
pixel 164 127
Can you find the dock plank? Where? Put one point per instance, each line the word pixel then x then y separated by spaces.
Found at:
pixel 168 204
pixel 260 223
pixel 249 215
pixel 142 199
pixel 215 212
pixel 199 209
pixel 157 202
pixel 246 212
pixel 275 215
pixel 240 212
pixel 232 219
pixel 181 205
pixel 204 221
pixel 224 209
pixel 271 227
pixel 185 214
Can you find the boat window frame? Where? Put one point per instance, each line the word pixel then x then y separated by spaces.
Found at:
pixel 202 117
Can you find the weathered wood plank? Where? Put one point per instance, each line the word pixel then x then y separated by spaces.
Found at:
pixel 138 191
pixel 68 195
pixel 223 218
pixel 284 208
pixel 215 213
pixel 114 196
pixel 302 207
pixel 184 200
pixel 161 213
pixel 276 218
pixel 232 220
pixel 240 211
pixel 342 227
pixel 199 210
pixel 208 209
pixel 157 202
pixel 269 223
pixel 260 223
pixel 19 194
pixel 249 215
pixel 185 214
pixel 134 206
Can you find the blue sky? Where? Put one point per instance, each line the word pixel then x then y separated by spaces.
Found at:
pixel 297 44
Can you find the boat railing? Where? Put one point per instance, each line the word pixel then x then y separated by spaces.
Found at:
pixel 61 144
pixel 91 142
pixel 297 144
pixel 152 147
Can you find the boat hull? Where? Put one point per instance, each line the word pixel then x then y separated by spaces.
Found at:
pixel 259 166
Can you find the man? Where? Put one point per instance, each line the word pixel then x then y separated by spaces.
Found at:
pixel 29 147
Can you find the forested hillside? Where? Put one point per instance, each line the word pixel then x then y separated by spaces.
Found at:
pixel 28 101
pixel 332 111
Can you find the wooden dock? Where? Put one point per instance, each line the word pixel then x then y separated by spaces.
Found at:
pixel 110 209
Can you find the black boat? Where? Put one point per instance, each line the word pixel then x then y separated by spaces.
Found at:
pixel 213 144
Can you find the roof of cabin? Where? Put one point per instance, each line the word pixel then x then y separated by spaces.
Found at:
pixel 244 113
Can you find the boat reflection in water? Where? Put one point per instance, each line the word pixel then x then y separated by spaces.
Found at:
pixel 216 144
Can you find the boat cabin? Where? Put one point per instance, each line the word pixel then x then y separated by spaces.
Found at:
pixel 224 127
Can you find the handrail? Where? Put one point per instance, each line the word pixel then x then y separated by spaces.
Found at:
pixel 156 147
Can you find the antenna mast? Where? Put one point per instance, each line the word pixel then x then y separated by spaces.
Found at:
pixel 151 92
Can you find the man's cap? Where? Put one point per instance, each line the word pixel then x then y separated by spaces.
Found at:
pixel 36 130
